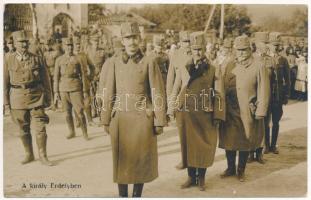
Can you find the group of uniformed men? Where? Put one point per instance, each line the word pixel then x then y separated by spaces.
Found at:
pixel 231 96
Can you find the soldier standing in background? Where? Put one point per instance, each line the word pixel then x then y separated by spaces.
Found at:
pixel 97 58
pixel 160 56
pixel 136 118
pixel 260 40
pixel 50 56
pixel 247 89
pixel 280 88
pixel 70 85
pixel 178 59
pixel 88 71
pixel 27 91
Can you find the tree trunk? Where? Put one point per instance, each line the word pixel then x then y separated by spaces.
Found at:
pixel 34 21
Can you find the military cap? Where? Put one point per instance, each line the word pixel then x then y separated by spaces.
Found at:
pixel 67 41
pixel 10 40
pixel 275 38
pixel 19 36
pixel 241 42
pixel 197 40
pixel 158 40
pixel 76 40
pixel 261 37
pixel 184 36
pixel 129 29
pixel 228 43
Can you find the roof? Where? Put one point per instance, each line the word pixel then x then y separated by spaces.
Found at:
pixel 117 19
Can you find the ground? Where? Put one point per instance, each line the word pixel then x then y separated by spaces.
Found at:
pixel 88 164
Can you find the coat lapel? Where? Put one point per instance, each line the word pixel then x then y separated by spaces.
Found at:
pixel 196 73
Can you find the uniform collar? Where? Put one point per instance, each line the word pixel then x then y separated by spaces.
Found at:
pixel 22 57
pixel 136 57
pixel 246 63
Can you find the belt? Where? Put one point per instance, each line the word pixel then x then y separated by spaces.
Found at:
pixel 26 86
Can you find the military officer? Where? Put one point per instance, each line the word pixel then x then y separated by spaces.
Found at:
pixel 97 57
pixel 280 88
pixel 178 58
pixel 27 91
pixel 261 40
pixel 70 85
pixel 160 56
pixel 50 56
pixel 137 116
pixel 89 71
pixel 197 115
pixel 225 56
pixel 247 89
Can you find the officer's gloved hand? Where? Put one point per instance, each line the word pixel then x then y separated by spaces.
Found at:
pixel 158 130
pixel 106 128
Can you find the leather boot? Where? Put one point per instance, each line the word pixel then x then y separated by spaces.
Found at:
pixel 201 181
pixel 84 127
pixel 138 190
pixel 191 180
pixel 275 133
pixel 27 143
pixel 251 157
pixel 259 156
pixel 41 142
pixel 242 165
pixel 89 116
pixel 231 170
pixel 123 190
pixel 71 127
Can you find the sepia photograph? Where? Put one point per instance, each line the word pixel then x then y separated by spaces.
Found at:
pixel 154 100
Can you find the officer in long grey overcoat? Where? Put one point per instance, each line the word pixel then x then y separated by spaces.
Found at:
pixel 246 83
pixel 198 106
pixel 261 40
pixel 27 91
pixel 133 112
pixel 178 59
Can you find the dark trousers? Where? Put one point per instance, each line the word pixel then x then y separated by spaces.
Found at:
pixel 196 172
pixel 231 159
pixel 275 112
pixel 137 190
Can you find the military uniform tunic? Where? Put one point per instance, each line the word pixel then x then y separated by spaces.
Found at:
pixel 27 91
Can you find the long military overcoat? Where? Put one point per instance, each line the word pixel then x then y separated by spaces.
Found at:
pixel 197 105
pixel 134 104
pixel 247 92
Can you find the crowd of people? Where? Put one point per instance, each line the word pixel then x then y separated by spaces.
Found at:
pixel 228 90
